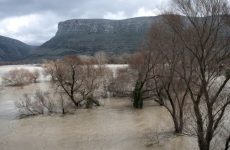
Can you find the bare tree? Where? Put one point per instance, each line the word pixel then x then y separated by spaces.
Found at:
pixel 40 103
pixel 18 77
pixel 202 33
pixel 170 90
pixel 164 56
pixel 67 74
pixel 101 58
pixel 77 78
pixel 35 76
pixel 122 84
pixel 90 80
pixel 144 62
pixel 105 78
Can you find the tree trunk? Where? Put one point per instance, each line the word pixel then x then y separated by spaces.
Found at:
pixel 177 126
pixel 138 101
pixel 137 96
pixel 203 146
pixel 91 101
pixel 63 111
pixel 159 101
pixel 202 143
pixel 73 100
pixel 227 146
pixel 181 121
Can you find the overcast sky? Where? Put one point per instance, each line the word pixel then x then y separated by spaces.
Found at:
pixel 35 21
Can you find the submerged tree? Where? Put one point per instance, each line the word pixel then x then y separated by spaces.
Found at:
pixel 164 84
pixel 77 78
pixel 157 68
pixel 144 63
pixel 201 35
pixel 39 103
pixel 19 77
pixel 121 84
pixel 227 144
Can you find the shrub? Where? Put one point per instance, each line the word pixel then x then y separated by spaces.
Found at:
pixel 19 77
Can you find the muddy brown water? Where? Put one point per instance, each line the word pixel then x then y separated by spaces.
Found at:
pixel 113 126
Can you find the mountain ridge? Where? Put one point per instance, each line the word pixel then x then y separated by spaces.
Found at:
pixel 12 49
pixel 87 36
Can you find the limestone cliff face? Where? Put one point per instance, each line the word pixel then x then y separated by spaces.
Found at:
pixel 136 25
pixel 87 36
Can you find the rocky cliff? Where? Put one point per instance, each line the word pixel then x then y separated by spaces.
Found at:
pixel 87 36
pixel 134 25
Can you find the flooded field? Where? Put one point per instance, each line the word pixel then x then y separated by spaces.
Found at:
pixel 113 126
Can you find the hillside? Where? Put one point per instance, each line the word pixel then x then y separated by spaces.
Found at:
pixel 13 50
pixel 87 36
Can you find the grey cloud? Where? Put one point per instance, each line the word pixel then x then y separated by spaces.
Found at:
pixel 96 8
pixel 53 11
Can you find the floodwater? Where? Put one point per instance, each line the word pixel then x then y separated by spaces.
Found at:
pixel 113 126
